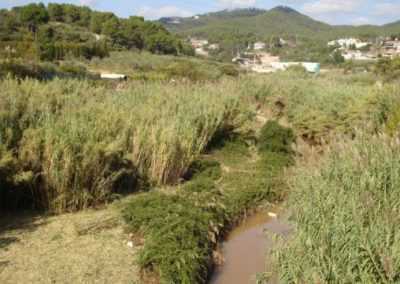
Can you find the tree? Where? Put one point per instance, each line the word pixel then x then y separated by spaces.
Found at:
pixel 337 57
pixel 32 15
pixel 111 28
pixel 56 12
pixel 98 19
pixel 133 32
pixel 72 13
pixel 161 43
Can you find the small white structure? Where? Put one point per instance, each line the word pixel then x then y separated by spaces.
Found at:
pixel 259 45
pixel 348 42
pixel 214 46
pixel 311 67
pixel 113 76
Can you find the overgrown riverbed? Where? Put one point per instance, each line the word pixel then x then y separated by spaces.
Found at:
pixel 67 145
pixel 182 228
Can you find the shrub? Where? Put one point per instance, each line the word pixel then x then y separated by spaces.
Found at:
pixel 275 138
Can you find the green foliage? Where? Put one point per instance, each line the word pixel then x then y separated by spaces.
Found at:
pixel 346 210
pixel 275 138
pixel 177 245
pixel 59 30
pixel 161 44
pixel 33 15
pixel 389 69
pixel 204 169
pixel 332 103
pixel 85 144
pixel 277 22
pixel 182 229
pixel 44 71
pixel 337 57
pixel 150 67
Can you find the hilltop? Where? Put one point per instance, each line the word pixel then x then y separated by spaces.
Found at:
pixel 279 21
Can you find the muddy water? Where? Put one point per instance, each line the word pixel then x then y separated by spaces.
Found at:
pixel 246 249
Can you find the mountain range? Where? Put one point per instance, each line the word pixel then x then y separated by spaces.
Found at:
pixel 279 21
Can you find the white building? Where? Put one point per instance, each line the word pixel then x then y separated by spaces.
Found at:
pixel 348 42
pixel 356 55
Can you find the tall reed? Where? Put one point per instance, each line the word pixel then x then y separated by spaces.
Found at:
pixel 81 142
pixel 346 209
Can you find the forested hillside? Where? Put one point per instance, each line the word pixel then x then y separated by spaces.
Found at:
pixel 57 31
pixel 262 24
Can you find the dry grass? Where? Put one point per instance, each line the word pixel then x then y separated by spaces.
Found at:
pixel 55 250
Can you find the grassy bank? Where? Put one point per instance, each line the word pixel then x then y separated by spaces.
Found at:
pixel 331 103
pixel 346 208
pixel 181 228
pixel 150 67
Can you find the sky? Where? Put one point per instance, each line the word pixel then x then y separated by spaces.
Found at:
pixel 355 12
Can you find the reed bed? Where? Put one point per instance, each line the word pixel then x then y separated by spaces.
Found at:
pixel 317 106
pixel 346 207
pixel 73 144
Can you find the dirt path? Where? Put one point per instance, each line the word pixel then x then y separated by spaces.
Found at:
pixel 86 247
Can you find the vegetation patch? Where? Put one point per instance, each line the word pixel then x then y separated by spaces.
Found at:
pixel 182 229
pixel 346 208
pixel 66 145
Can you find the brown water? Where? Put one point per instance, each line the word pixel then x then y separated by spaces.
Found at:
pixel 246 249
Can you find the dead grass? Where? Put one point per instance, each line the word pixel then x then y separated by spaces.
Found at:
pixel 71 248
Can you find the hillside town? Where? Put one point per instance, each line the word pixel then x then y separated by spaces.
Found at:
pixel 256 58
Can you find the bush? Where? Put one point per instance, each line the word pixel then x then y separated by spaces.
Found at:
pixel 15 69
pixel 276 138
pixel 229 70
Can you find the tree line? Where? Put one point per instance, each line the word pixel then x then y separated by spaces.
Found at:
pixel 57 30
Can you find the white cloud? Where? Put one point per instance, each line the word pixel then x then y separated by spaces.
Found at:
pixel 164 11
pixel 237 3
pixel 332 6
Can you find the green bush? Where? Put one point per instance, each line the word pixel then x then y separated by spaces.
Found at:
pixel 229 70
pixel 276 138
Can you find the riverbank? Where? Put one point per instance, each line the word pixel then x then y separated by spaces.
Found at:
pixel 182 228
